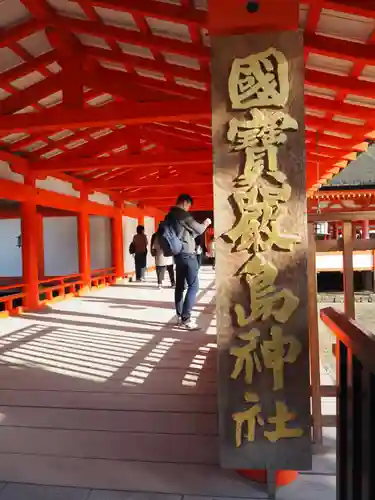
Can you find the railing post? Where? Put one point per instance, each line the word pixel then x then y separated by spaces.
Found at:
pixel 29 226
pixel 314 339
pixel 348 272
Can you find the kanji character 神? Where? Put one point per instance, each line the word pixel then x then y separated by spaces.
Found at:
pixel 275 357
pixel 259 80
pixel 247 358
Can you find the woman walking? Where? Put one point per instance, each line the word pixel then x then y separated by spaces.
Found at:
pixel 139 247
pixel 162 263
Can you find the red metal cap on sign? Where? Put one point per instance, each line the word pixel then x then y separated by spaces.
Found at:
pixel 241 16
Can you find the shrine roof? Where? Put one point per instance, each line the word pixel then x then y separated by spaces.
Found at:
pixel 144 66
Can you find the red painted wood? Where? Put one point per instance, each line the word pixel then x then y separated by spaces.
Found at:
pixel 29 225
pixel 135 115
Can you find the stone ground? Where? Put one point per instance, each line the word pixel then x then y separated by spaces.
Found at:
pixel 365 316
pixel 102 398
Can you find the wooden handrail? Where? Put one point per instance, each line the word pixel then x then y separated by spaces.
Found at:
pixel 11 287
pixel 59 279
pixel 360 341
pixel 107 270
pixel 355 380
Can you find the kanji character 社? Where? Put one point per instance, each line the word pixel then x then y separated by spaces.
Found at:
pixel 259 80
pixel 250 416
pixel 282 417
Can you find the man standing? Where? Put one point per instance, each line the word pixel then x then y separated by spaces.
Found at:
pixel 186 229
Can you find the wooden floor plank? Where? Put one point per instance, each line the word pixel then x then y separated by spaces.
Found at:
pixel 105 420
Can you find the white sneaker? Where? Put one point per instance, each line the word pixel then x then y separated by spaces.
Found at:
pixel 178 321
pixel 189 325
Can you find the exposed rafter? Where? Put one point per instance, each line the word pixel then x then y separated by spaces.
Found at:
pixel 134 115
pixel 166 160
pixel 156 83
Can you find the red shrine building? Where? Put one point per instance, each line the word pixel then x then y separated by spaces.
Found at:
pixel 262 111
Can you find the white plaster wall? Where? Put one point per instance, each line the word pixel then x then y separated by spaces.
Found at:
pixel 101 198
pixel 100 242
pixel 10 254
pixel 60 246
pixel 334 261
pixel 149 230
pixel 57 186
pixel 6 173
pixel 129 228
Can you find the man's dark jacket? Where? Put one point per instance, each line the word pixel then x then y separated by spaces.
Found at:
pixel 186 227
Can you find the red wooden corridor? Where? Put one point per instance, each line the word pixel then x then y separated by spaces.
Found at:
pixel 115 95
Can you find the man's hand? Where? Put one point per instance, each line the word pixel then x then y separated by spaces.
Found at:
pixel 207 222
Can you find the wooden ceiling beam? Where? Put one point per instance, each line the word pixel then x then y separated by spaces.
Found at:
pixel 154 182
pixel 355 132
pixel 362 8
pixel 172 197
pixel 348 84
pixel 343 109
pixel 15 34
pixel 335 143
pixel 147 89
pixel 171 70
pixel 31 95
pixel 162 11
pixel 151 42
pixel 340 49
pixel 141 161
pixel 137 114
pixel 24 69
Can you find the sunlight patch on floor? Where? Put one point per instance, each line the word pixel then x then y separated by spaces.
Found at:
pixel 192 376
pixel 77 353
pixel 144 369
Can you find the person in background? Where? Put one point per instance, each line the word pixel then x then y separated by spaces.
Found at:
pixel 213 252
pixel 199 251
pixel 161 262
pixel 140 253
pixel 186 229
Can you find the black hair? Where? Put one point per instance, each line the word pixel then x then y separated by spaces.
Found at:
pixel 184 198
pixel 140 229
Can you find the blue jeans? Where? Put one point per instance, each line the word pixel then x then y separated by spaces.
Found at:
pixel 186 271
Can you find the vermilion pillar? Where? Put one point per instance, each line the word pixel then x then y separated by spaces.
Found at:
pixel 141 217
pixel 366 229
pixel 118 244
pixel 29 228
pixel 40 247
pixel 84 247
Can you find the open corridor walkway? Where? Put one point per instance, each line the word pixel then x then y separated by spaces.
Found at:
pixel 103 392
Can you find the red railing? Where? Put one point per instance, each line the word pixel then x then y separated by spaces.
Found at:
pixel 52 289
pixel 103 277
pixel 355 379
pixel 60 286
pixel 7 302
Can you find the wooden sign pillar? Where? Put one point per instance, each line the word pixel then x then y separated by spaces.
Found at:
pixel 261 249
